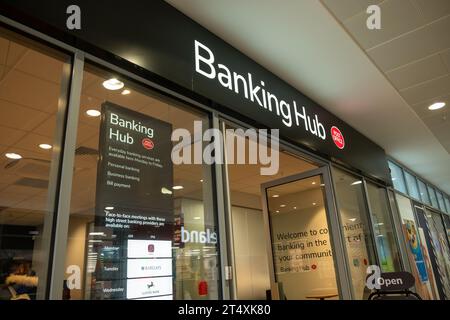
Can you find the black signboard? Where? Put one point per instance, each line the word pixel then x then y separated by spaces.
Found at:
pixel 134 205
pixel 134 174
pixel 161 41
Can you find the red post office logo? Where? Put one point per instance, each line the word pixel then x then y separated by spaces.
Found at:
pixel 147 144
pixel 337 137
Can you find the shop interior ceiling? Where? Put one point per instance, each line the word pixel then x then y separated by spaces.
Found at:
pixel 29 86
pixel 379 81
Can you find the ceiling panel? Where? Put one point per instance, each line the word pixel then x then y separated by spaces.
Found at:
pixel 15 52
pixel 446 58
pixel 422 108
pixel 391 24
pixel 4 44
pixel 428 90
pixel 20 117
pixel 9 136
pixel 413 46
pixel 47 128
pixel 41 66
pixel 40 95
pixel 345 9
pixel 431 10
pixel 417 72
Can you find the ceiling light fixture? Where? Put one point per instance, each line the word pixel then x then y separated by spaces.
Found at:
pixel 313 182
pixel 45 146
pixel 275 196
pixel 356 182
pixel 109 208
pixel 113 84
pixel 177 187
pixel 93 113
pixel 295 208
pixel 352 219
pixel 125 92
pixel 165 191
pixel 278 211
pixel 436 106
pixel 13 156
pixel 282 205
pixel 314 203
pixel 196 218
pixel 201 180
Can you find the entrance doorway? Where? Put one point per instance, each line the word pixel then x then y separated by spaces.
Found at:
pixel 299 247
pixel 256 230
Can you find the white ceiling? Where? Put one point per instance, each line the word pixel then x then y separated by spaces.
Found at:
pixel 306 45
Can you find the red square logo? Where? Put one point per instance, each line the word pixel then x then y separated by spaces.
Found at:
pixel 151 248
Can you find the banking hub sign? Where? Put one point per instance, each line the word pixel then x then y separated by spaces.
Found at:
pixel 257 91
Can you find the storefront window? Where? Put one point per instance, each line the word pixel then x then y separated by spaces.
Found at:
pixel 417 250
pixel 32 82
pixel 356 230
pixel 251 261
pixel 423 192
pixel 447 204
pixel 141 225
pixel 433 197
pixel 440 199
pixel 397 177
pixel 385 239
pixel 411 183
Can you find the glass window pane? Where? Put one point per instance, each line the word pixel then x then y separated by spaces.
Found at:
pixel 411 185
pixel 440 201
pixel 417 251
pixel 300 240
pixel 397 177
pixel 250 253
pixel 433 197
pixel 141 226
pixel 383 228
pixel 447 204
pixel 31 79
pixel 355 226
pixel 423 192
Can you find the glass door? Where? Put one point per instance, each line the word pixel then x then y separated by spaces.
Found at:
pixel 300 244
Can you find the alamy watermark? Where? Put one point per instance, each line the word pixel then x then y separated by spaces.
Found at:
pixel 207 147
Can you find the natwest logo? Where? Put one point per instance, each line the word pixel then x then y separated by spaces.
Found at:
pixel 337 137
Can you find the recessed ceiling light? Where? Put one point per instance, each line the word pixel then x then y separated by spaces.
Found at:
pixel 13 156
pixel 314 203
pixel 282 205
pixel 356 182
pixel 165 191
pixel 125 92
pixel 278 211
pixel 436 106
pixel 201 180
pixel 322 184
pixel 275 196
pixel 295 208
pixel 45 146
pixel 109 208
pixel 177 187
pixel 352 219
pixel 196 218
pixel 313 182
pixel 93 113
pixel 113 84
